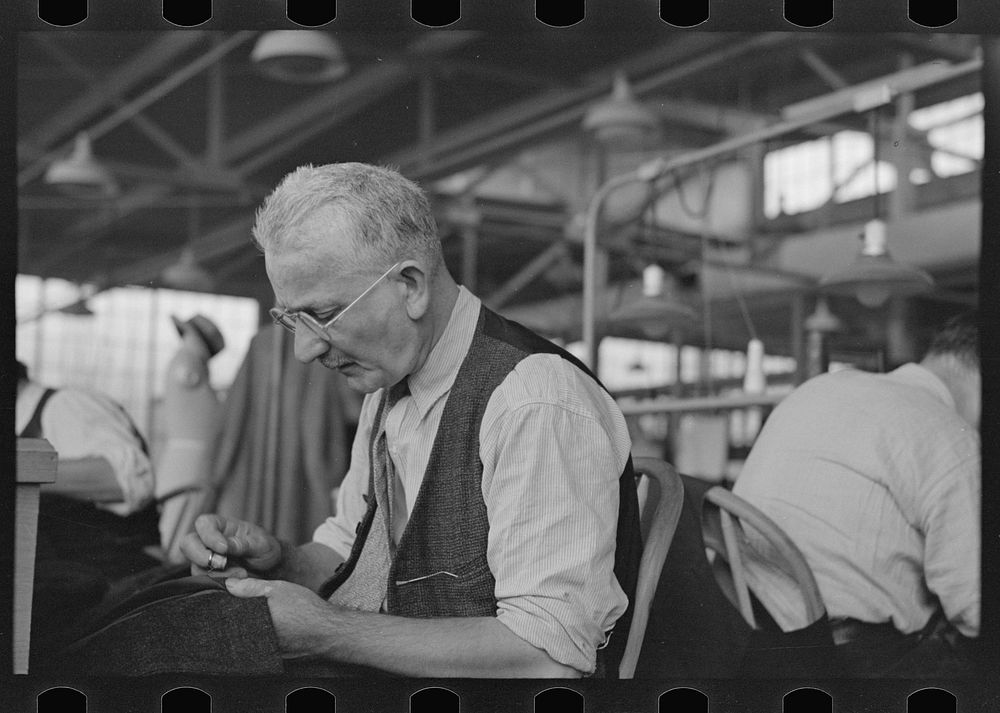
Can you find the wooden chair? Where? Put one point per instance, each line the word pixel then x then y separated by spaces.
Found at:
pixel 658 521
pixel 684 623
pixel 724 517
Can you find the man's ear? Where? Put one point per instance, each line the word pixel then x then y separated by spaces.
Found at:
pixel 418 297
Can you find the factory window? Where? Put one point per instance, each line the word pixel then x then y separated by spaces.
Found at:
pixel 947 141
pixel 122 342
pixel 955 132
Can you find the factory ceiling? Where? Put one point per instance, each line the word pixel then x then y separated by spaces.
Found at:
pixel 195 135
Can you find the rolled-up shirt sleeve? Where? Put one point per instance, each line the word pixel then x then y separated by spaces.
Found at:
pixel 83 424
pixel 553 449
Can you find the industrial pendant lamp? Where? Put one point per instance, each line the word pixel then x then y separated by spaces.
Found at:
pixel 80 174
pixel 620 121
pixel 822 320
pixel 187 274
pixel 874 276
pixel 658 312
pixel 300 56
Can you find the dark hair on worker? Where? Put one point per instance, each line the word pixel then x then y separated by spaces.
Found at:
pixel 958 337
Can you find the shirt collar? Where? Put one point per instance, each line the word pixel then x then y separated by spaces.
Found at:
pixel 435 377
pixel 925 378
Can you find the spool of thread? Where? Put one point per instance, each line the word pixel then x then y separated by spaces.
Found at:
pixel 753 379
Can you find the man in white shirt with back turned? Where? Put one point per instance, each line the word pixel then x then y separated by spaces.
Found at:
pixel 876 478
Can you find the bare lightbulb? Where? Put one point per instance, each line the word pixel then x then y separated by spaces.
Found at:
pixel 872 295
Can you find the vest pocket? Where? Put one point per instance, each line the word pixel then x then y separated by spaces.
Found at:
pixel 444 590
pixel 472 570
pixel 401 582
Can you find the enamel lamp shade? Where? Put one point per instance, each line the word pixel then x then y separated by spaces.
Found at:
pixel 874 276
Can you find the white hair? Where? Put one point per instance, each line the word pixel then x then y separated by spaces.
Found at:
pixel 390 214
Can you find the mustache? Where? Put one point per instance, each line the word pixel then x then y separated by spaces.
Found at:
pixel 333 363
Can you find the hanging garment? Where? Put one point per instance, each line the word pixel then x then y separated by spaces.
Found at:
pixel 284 442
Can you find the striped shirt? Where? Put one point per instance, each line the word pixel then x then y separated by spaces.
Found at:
pixel 876 478
pixel 553 445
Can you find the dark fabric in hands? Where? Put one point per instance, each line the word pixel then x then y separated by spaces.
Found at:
pixel 187 625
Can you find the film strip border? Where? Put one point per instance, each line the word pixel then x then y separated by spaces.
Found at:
pixel 899 15
pixel 485 698
pixel 173 694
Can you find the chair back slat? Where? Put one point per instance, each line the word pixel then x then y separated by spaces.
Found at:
pixel 660 515
pixel 786 556
pixel 735 559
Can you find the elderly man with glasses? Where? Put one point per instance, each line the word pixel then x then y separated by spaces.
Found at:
pixel 488 522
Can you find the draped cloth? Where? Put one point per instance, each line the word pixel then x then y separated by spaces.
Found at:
pixel 284 440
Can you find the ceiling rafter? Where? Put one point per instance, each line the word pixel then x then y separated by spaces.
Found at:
pixel 296 124
pixel 151 129
pixel 378 77
pixel 150 96
pixel 166 48
pixel 511 127
pixel 368 81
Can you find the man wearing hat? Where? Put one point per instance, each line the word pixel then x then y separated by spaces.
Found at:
pixel 191 413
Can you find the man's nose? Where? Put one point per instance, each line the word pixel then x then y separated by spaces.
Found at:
pixel 309 346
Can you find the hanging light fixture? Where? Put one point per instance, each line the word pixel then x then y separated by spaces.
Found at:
pixel 187 274
pixel 822 320
pixel 658 312
pixel 874 276
pixel 80 174
pixel 300 56
pixel 620 121
pixel 819 325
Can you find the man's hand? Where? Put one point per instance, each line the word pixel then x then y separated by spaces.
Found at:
pixel 239 547
pixel 295 611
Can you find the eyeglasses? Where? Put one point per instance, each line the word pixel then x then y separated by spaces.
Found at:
pixel 289 320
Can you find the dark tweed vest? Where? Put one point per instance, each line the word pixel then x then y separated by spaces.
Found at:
pixel 440 568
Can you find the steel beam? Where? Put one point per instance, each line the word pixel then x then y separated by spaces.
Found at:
pixel 823 70
pixel 150 96
pixel 92 228
pixel 216 244
pixel 376 78
pixel 143 64
pixel 215 120
pixel 504 130
pixel 151 129
pixel 527 274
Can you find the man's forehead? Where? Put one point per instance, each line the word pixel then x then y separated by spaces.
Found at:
pixel 308 278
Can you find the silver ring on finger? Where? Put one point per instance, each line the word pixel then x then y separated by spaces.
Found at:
pixel 211 561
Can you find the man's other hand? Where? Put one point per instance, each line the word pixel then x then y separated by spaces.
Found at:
pixel 295 610
pixel 231 547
